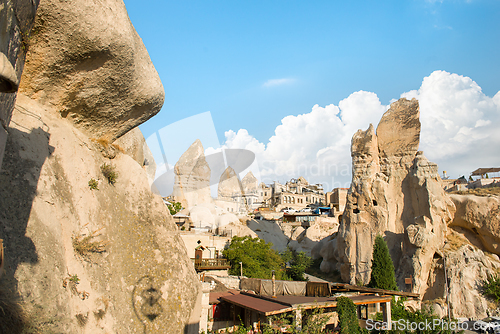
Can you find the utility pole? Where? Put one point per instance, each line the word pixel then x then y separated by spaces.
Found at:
pixel 241 269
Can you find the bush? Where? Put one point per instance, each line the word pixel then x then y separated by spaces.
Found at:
pixel 491 287
pixel 93 184
pixel 174 207
pixel 109 173
pixel 382 275
pixel 348 319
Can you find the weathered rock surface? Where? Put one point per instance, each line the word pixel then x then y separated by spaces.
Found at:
pixel 16 20
pixel 229 185
pixel 192 177
pixel 87 62
pixel 481 217
pixel 134 144
pixel 250 184
pixel 467 267
pixel 398 132
pixel 47 203
pixel 396 192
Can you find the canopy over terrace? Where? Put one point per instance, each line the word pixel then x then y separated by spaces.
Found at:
pixel 483 171
pixel 262 307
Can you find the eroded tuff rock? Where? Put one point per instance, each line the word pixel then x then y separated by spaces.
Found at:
pixel 47 203
pixel 16 20
pixel 229 185
pixel 467 267
pixel 395 192
pixel 192 177
pixel 480 216
pixel 250 184
pixel 88 63
pixel 134 144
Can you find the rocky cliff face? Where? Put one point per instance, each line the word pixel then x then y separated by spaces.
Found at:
pixel 86 252
pixel 192 177
pixel 396 192
pixel 16 20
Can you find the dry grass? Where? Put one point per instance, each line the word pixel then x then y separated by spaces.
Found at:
pixel 87 245
pixel 488 191
pixel 109 173
pixel 118 148
pixel 81 319
pixel 104 142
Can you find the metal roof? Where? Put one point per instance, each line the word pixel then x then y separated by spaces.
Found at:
pixel 257 304
pixel 281 304
pixel 482 171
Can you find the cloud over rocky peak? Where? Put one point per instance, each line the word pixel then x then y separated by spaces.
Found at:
pixel 459 132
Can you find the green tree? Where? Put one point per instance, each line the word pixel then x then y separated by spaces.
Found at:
pixel 348 319
pixel 382 276
pixel 298 262
pixel 174 207
pixel 257 257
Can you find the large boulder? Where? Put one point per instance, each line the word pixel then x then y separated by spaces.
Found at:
pixel 192 177
pixel 87 62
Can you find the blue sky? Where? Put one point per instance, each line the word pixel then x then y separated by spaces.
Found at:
pixel 252 63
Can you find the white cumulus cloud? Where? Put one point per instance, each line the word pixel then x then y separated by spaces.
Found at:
pixel 459 132
pixel 459 123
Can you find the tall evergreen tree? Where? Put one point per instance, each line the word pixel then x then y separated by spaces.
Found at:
pixel 382 276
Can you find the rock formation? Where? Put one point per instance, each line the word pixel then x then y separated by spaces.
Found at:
pixel 250 184
pixel 192 177
pixel 16 20
pixel 87 255
pixel 89 64
pixel 134 144
pixel 479 218
pixel 395 192
pixel 229 185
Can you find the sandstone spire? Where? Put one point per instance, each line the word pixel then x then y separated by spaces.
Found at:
pixel 229 185
pixel 192 177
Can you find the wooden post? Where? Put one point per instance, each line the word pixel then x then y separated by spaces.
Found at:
pixel 386 311
pixel 298 318
pixel 274 285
